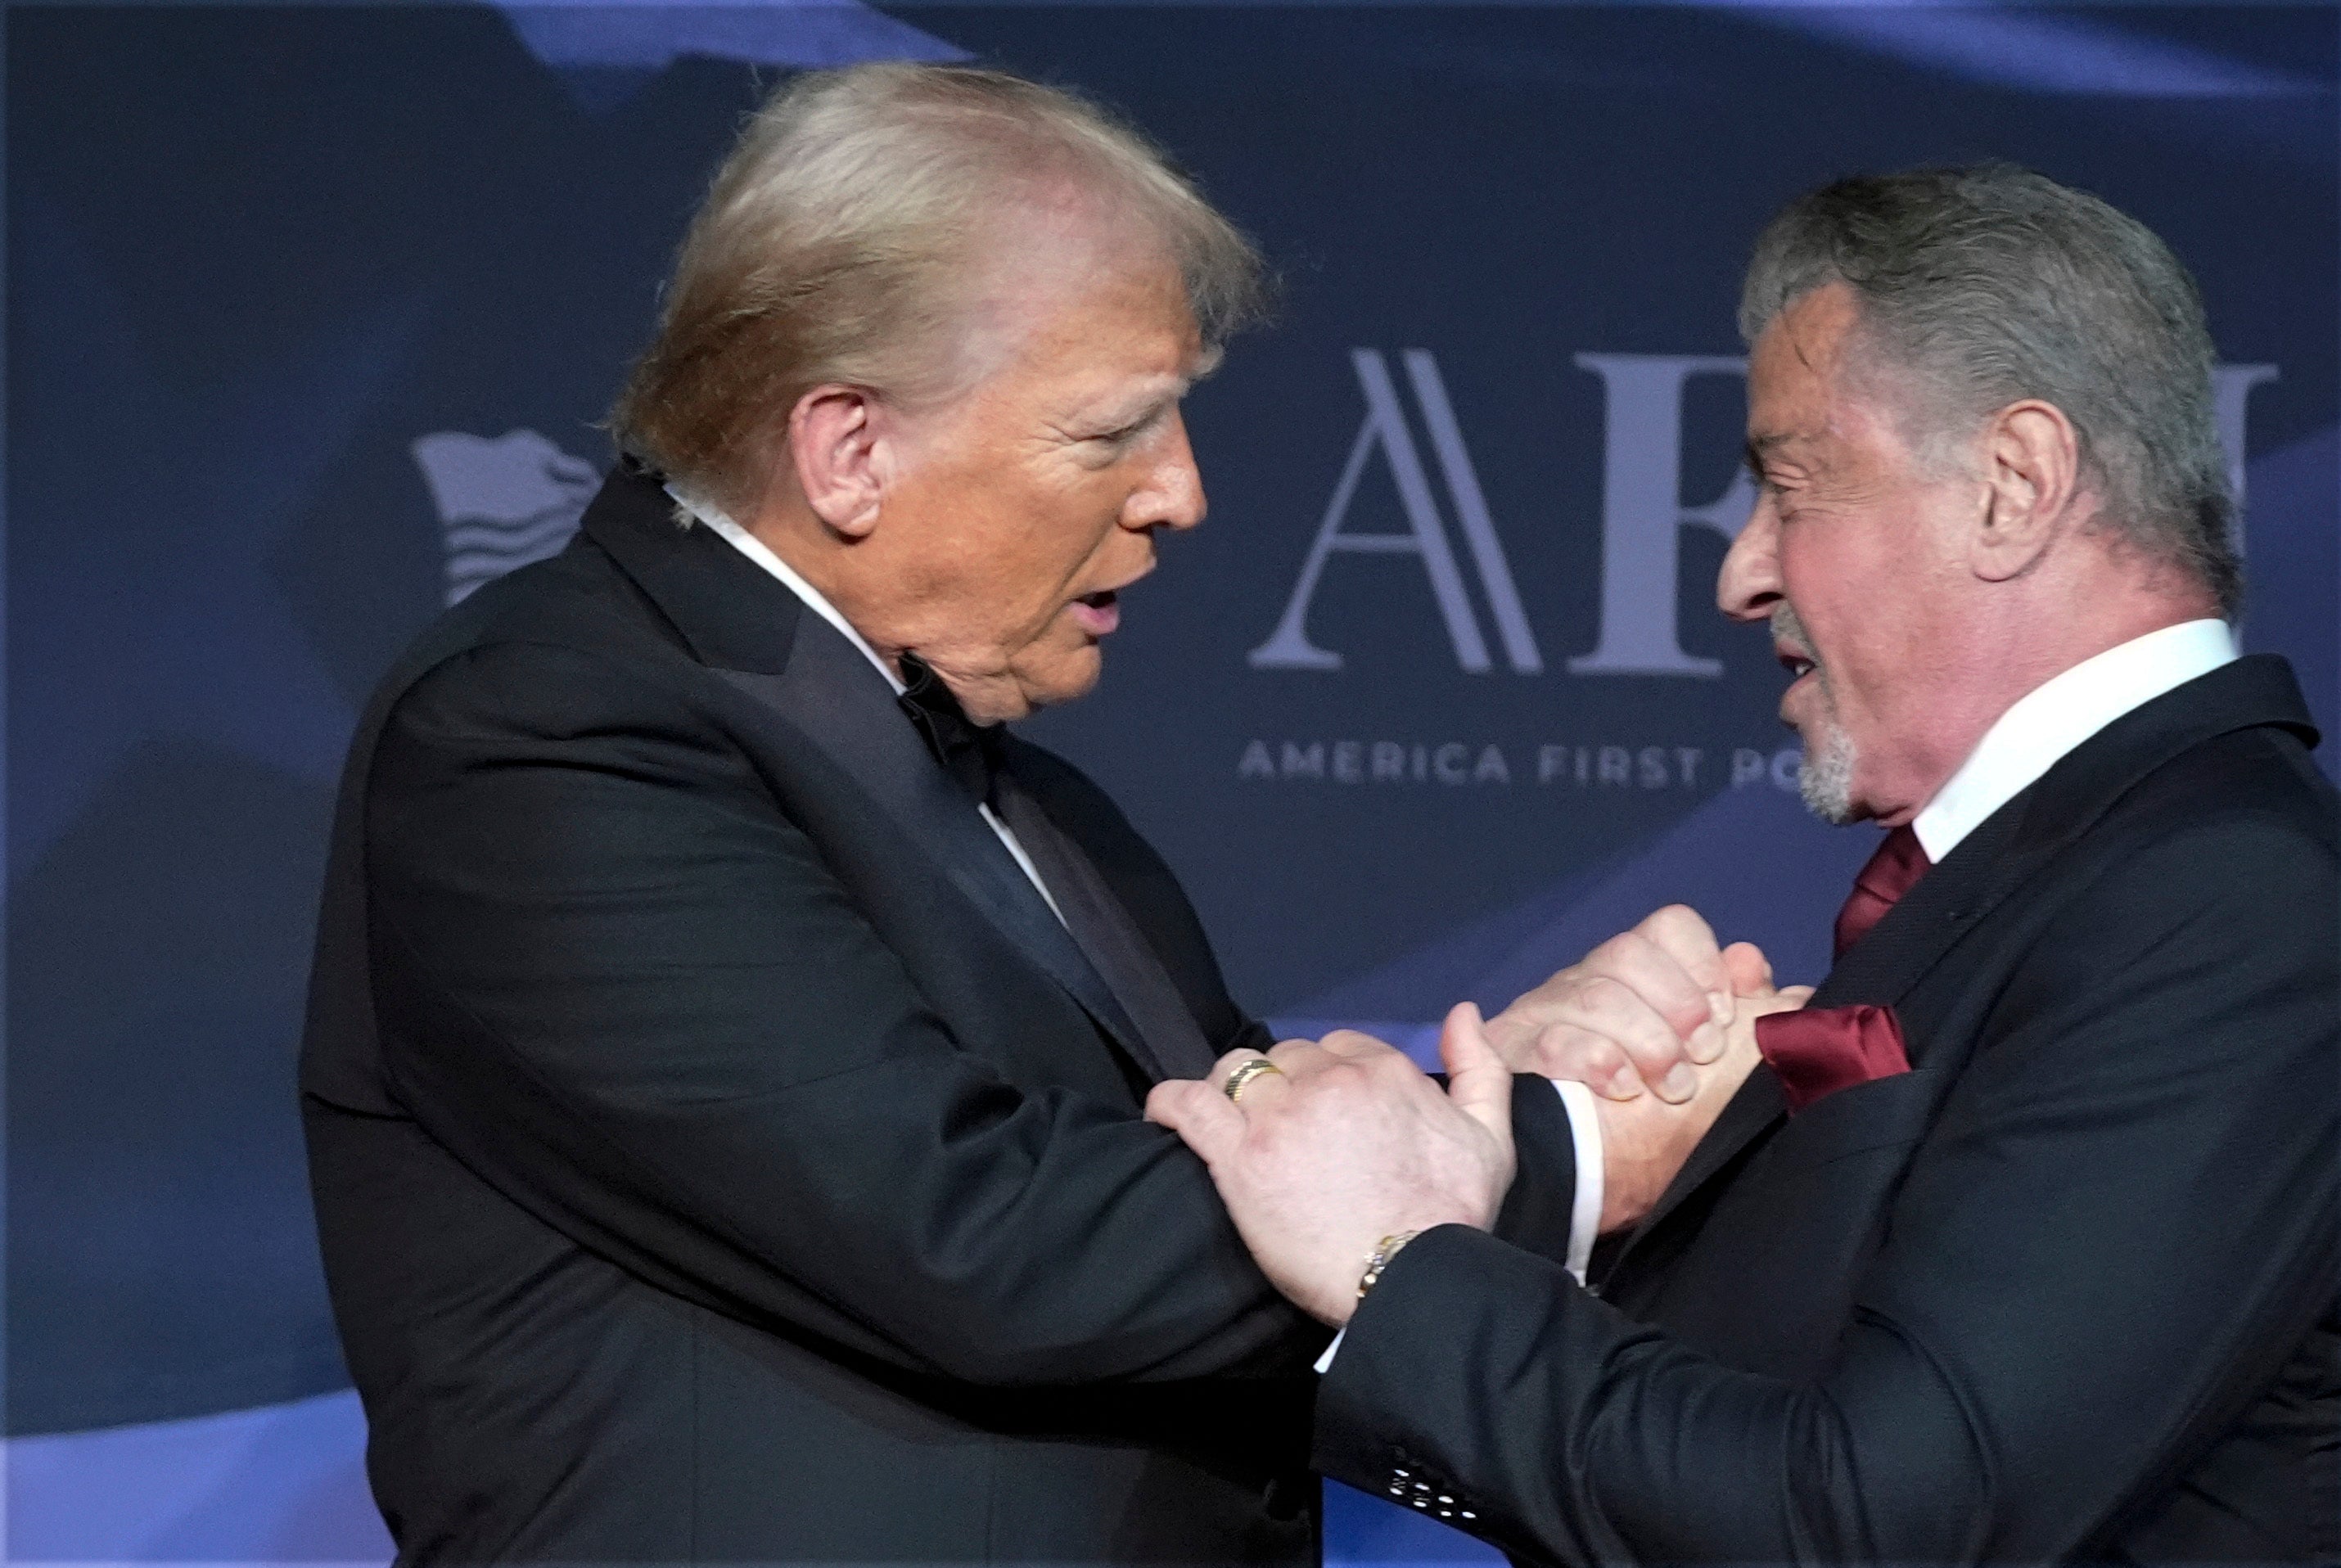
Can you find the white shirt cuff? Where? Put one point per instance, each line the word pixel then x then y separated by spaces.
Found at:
pixel 1584 1213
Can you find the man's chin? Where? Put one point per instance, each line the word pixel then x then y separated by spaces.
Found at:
pixel 1027 687
pixel 1065 678
pixel 1825 778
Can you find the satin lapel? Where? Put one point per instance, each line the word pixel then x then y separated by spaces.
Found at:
pixel 1993 863
pixel 747 627
pixel 829 694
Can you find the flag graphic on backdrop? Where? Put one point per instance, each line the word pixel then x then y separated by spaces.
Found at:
pixel 503 501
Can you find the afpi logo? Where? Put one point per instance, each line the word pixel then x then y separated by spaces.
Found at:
pixel 1643 514
pixel 503 501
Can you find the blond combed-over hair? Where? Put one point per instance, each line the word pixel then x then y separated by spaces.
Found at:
pixel 839 239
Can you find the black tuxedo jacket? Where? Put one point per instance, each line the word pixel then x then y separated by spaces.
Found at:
pixel 2064 1291
pixel 721 1150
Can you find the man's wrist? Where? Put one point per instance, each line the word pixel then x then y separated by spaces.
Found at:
pixel 1385 1250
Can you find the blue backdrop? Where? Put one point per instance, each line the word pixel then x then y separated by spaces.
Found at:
pixel 313 311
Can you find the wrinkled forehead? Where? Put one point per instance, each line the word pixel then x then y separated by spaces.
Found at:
pixel 1806 348
pixel 1814 382
pixel 1087 310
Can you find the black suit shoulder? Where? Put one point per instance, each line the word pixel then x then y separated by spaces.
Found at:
pixel 578 600
pixel 2260 783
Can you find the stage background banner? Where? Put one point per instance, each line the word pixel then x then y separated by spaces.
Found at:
pixel 313 311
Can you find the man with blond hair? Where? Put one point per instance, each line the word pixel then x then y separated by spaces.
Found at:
pixel 728 1045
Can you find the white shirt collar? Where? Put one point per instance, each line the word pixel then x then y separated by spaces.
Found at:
pixel 755 550
pixel 2057 715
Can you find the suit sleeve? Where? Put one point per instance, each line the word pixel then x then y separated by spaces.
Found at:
pixel 616 981
pixel 2122 1222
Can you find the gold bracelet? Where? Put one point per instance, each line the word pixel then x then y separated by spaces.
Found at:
pixel 1380 1259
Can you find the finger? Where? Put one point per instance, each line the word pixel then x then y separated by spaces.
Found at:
pixel 1655 974
pixel 1568 1051
pixel 1221 1070
pixel 1683 934
pixel 1786 1000
pixel 1749 970
pixel 1659 1054
pixel 1199 1113
pixel 1477 1081
pixel 1351 1045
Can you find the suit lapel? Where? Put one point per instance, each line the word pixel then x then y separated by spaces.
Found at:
pixel 1758 1104
pixel 760 638
pixel 866 737
pixel 1989 865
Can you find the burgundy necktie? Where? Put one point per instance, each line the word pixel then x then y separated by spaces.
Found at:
pixel 1900 862
pixel 1819 1050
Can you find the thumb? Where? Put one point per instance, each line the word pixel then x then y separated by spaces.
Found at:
pixel 1477 1081
pixel 1211 1124
pixel 1750 970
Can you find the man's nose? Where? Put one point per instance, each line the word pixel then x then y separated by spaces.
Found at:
pixel 1173 494
pixel 1749 583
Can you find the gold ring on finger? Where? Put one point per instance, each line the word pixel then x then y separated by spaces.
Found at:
pixel 1241 1079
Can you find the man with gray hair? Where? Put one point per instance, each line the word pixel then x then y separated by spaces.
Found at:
pixel 727 1045
pixel 2018 1244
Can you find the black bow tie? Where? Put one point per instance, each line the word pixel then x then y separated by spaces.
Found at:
pixel 969 751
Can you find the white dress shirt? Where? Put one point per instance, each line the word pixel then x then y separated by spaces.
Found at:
pixel 2057 715
pixel 755 550
pixel 2038 731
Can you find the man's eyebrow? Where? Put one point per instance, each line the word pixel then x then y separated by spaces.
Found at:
pixel 1113 412
pixel 1159 391
pixel 1758 447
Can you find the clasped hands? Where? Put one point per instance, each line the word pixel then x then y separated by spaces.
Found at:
pixel 1349 1142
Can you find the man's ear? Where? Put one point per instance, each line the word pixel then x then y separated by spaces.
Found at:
pixel 2032 463
pixel 834 434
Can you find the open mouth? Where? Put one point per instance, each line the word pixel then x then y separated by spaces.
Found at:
pixel 1794 663
pixel 1098 613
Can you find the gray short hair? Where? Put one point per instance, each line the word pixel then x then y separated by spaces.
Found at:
pixel 1981 286
pixel 836 245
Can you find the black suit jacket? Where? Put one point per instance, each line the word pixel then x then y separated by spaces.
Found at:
pixel 2066 1290
pixel 720 1149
